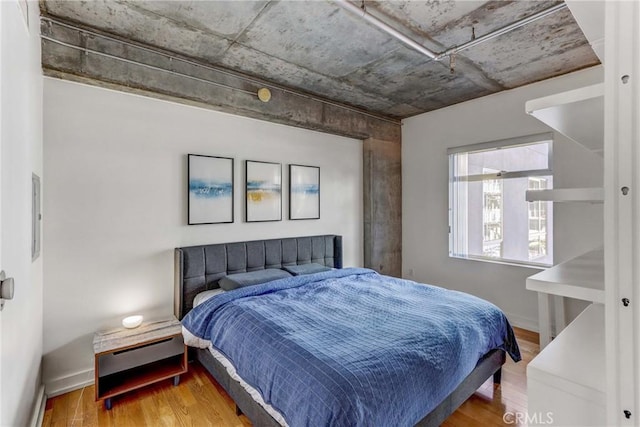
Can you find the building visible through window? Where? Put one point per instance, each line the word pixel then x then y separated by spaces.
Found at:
pixel 492 216
pixel 537 221
pixel 489 217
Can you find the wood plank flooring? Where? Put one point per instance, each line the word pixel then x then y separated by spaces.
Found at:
pixel 200 401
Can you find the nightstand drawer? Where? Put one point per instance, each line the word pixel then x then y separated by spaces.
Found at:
pixel 119 361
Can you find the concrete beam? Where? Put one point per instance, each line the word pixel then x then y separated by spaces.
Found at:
pixel 90 56
pixel 76 53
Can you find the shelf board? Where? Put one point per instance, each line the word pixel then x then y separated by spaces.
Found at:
pixel 122 382
pixel 575 360
pixel 581 278
pixel 578 114
pixel 592 195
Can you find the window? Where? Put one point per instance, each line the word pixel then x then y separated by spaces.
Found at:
pixel 489 218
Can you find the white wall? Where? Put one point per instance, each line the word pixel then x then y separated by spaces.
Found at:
pixel 425 138
pixel 116 199
pixel 20 154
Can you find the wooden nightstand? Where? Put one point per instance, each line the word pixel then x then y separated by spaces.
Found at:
pixel 127 359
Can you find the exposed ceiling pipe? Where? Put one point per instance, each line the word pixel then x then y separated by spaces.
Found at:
pixel 346 4
pixel 386 28
pixel 261 83
pixel 500 31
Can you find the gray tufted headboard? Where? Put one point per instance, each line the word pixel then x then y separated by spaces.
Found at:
pixel 198 268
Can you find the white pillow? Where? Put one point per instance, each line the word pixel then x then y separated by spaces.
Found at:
pixel 203 296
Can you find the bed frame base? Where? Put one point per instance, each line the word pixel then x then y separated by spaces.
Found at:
pixel 497 377
pixel 490 365
pixel 243 400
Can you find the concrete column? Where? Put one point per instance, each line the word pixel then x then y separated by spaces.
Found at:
pixel 383 206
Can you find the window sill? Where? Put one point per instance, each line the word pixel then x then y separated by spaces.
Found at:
pixel 535 266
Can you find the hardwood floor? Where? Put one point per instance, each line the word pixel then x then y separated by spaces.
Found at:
pixel 200 401
pixel 499 406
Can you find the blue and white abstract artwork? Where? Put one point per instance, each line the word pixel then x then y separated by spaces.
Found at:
pixel 304 192
pixel 263 191
pixel 210 189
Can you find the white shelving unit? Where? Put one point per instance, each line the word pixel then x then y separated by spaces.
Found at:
pixel 577 114
pixel 565 384
pixel 567 378
pixel 580 278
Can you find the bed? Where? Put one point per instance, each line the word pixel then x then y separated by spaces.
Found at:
pixel 407 395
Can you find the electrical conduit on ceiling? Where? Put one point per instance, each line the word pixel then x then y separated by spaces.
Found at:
pixel 361 11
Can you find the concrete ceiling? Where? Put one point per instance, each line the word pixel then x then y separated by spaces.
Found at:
pixel 319 48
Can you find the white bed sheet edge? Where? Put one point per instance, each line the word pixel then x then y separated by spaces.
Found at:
pixel 193 341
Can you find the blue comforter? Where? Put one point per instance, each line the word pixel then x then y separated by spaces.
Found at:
pixel 351 347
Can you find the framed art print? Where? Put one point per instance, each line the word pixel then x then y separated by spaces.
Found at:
pixel 210 189
pixel 263 191
pixel 304 192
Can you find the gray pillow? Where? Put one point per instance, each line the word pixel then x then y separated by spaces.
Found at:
pixel 311 268
pixel 240 280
